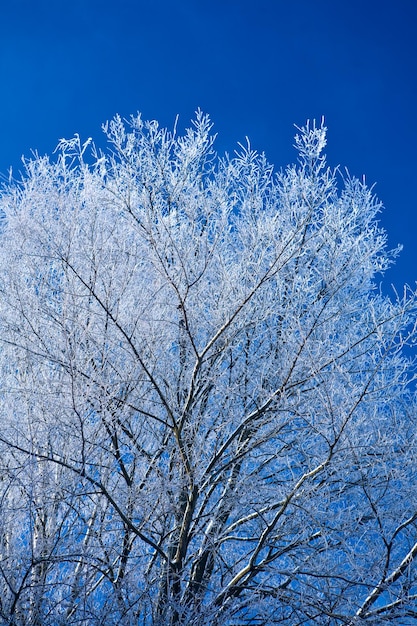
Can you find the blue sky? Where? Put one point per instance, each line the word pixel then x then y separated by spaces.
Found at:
pixel 256 67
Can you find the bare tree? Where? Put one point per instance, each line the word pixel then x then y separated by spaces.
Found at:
pixel 207 412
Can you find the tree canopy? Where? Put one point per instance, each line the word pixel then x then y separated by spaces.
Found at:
pixel 207 413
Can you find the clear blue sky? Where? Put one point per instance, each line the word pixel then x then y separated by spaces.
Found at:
pixel 256 67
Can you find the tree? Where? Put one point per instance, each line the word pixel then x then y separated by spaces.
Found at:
pixel 207 410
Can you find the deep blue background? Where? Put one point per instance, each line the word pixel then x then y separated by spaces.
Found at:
pixel 256 67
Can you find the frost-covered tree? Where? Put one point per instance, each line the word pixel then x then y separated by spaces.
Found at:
pixel 206 411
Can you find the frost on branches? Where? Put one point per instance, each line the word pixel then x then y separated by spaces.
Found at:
pixel 206 414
